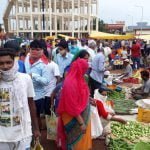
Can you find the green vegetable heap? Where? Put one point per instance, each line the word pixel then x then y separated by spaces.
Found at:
pixel 121 105
pixel 124 137
pixel 118 144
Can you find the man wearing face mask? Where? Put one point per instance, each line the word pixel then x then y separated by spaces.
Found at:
pixel 13 44
pixel 74 49
pixel 17 106
pixel 144 91
pixel 63 58
pixel 38 71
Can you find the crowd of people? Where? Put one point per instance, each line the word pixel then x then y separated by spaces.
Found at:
pixel 68 76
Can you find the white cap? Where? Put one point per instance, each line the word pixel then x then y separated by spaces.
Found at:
pixel 107 73
pixel 91 43
pixel 127 60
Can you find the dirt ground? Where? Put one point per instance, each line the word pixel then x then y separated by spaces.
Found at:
pixel 50 145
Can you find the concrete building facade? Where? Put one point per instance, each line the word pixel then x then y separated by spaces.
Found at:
pixel 51 17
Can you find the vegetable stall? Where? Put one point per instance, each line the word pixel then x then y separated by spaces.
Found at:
pixel 135 135
pixel 126 137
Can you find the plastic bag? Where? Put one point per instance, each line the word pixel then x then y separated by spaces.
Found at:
pixel 96 125
pixel 51 123
pixel 37 145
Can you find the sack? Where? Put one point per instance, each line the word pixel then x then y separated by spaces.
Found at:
pixel 37 145
pixel 96 125
pixel 51 123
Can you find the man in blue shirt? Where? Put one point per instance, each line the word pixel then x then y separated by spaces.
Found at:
pixel 97 71
pixel 73 48
pixel 63 58
pixel 38 71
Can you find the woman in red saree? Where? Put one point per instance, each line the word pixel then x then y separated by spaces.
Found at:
pixel 74 109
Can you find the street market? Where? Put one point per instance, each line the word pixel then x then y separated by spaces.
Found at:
pixel 70 81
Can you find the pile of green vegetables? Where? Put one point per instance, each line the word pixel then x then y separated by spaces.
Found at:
pixel 119 144
pixel 121 104
pixel 124 137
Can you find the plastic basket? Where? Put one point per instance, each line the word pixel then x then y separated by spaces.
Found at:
pixel 143 115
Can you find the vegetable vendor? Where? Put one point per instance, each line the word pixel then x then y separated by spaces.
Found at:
pixel 128 69
pixel 144 91
pixel 105 112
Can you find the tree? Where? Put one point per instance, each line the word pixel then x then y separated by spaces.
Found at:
pixel 102 26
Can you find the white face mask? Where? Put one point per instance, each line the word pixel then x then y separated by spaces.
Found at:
pixel 10 75
pixel 103 98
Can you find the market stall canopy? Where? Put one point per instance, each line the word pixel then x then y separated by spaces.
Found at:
pixel 103 35
pixel 50 38
pixel 144 37
pixel 67 37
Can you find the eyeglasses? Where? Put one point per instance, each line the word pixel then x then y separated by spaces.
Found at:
pixel 37 49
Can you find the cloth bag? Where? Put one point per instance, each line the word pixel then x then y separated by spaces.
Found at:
pixel 96 125
pixel 51 123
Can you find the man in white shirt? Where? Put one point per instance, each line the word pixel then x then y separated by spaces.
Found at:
pixel 128 69
pixel 92 48
pixel 107 51
pixel 54 77
pixel 143 92
pixel 17 105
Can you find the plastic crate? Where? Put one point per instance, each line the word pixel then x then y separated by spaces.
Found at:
pixel 143 115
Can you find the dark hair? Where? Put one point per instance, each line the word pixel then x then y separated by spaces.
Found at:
pixel 22 53
pixel 36 44
pixel 44 47
pixel 7 52
pixel 100 90
pixel 43 43
pixel 63 43
pixel 145 73
pixel 103 88
pixel 83 53
pixel 80 54
pixel 134 42
pixel 13 44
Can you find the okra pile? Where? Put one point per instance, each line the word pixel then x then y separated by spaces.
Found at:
pixel 121 104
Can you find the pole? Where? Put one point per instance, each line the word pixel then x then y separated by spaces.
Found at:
pixel 43 16
pixel 141 17
pixel 131 20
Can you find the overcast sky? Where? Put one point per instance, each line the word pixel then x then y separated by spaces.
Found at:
pixel 114 10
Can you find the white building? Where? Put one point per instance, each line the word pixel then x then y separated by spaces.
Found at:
pixel 51 17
